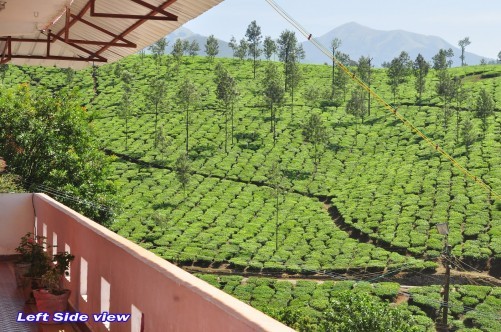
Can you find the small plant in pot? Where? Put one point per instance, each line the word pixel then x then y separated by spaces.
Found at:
pixel 33 261
pixel 53 297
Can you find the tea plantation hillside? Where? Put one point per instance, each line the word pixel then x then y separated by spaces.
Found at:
pixel 389 187
pixel 366 211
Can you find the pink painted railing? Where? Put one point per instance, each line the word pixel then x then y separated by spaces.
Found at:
pixel 112 274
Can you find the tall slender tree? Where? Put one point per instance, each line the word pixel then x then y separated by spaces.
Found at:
pixel 420 69
pixel 276 179
pixel 178 50
pixel 364 73
pixel 211 47
pixel 273 93
pixel 398 72
pixel 3 70
pixel 187 96
pixel 335 45
pixel 341 79
pixel 289 51
pixel 183 170
pixel 126 103
pixel 158 50
pixel 315 132
pixel 233 45
pixel 484 107
pixel 194 48
pixel 226 93
pixel 269 47
pixel 242 49
pixel 446 91
pixel 462 44
pixel 156 97
pixel 357 107
pixel 254 37
pixel 468 133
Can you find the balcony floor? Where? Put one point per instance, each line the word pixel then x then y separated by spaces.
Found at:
pixel 12 302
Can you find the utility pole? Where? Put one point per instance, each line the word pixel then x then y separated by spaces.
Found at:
pixel 445 303
pixel 443 229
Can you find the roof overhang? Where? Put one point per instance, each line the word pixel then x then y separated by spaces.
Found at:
pixel 78 33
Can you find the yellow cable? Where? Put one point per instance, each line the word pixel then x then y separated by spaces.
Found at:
pixel 406 122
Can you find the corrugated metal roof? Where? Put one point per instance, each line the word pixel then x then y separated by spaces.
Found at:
pixel 26 27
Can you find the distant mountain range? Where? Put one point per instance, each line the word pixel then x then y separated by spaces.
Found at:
pixel 356 41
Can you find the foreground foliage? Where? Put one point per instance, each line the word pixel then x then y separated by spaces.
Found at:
pixel 46 140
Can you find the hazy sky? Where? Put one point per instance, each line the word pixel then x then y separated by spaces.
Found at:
pixel 450 19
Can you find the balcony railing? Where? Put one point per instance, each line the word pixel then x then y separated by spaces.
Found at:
pixel 112 274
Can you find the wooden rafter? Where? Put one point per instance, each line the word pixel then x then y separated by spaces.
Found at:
pixel 137 24
pixel 151 16
pixel 64 34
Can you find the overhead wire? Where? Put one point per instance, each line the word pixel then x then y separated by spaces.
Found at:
pixel 394 111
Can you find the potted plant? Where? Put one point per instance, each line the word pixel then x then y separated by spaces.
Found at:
pixel 52 297
pixel 33 261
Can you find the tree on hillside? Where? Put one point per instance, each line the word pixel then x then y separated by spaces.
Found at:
pixel 46 139
pixel 364 73
pixel 443 59
pixel 186 47
pixel 162 139
pixel 158 50
pixel 446 89
pixel 293 80
pixel 233 45
pixel 3 70
pixel 315 132
pixel 462 44
pixel 335 44
pixel 177 50
pixel 341 79
pixel 70 76
pixel 484 107
pixel 420 69
pixel 289 52
pixel 461 95
pixel 156 97
pixel 226 93
pixel 398 72
pixel 273 93
pixel 276 179
pixel 311 95
pixel 187 96
pixel 194 48
pixel 357 107
pixel 183 170
pixel 211 47
pixel 499 57
pixel 269 47
pixel 242 49
pixel 126 103
pixel 363 68
pixel 254 37
pixel 468 134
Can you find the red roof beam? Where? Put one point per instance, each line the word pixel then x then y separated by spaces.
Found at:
pixel 151 16
pixel 136 25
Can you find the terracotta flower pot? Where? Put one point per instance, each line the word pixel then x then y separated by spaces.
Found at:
pixel 50 303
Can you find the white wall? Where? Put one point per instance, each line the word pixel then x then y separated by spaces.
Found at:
pixel 16 219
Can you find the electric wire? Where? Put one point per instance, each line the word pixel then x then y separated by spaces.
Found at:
pixel 382 102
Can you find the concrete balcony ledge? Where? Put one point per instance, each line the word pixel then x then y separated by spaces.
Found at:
pixel 112 274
